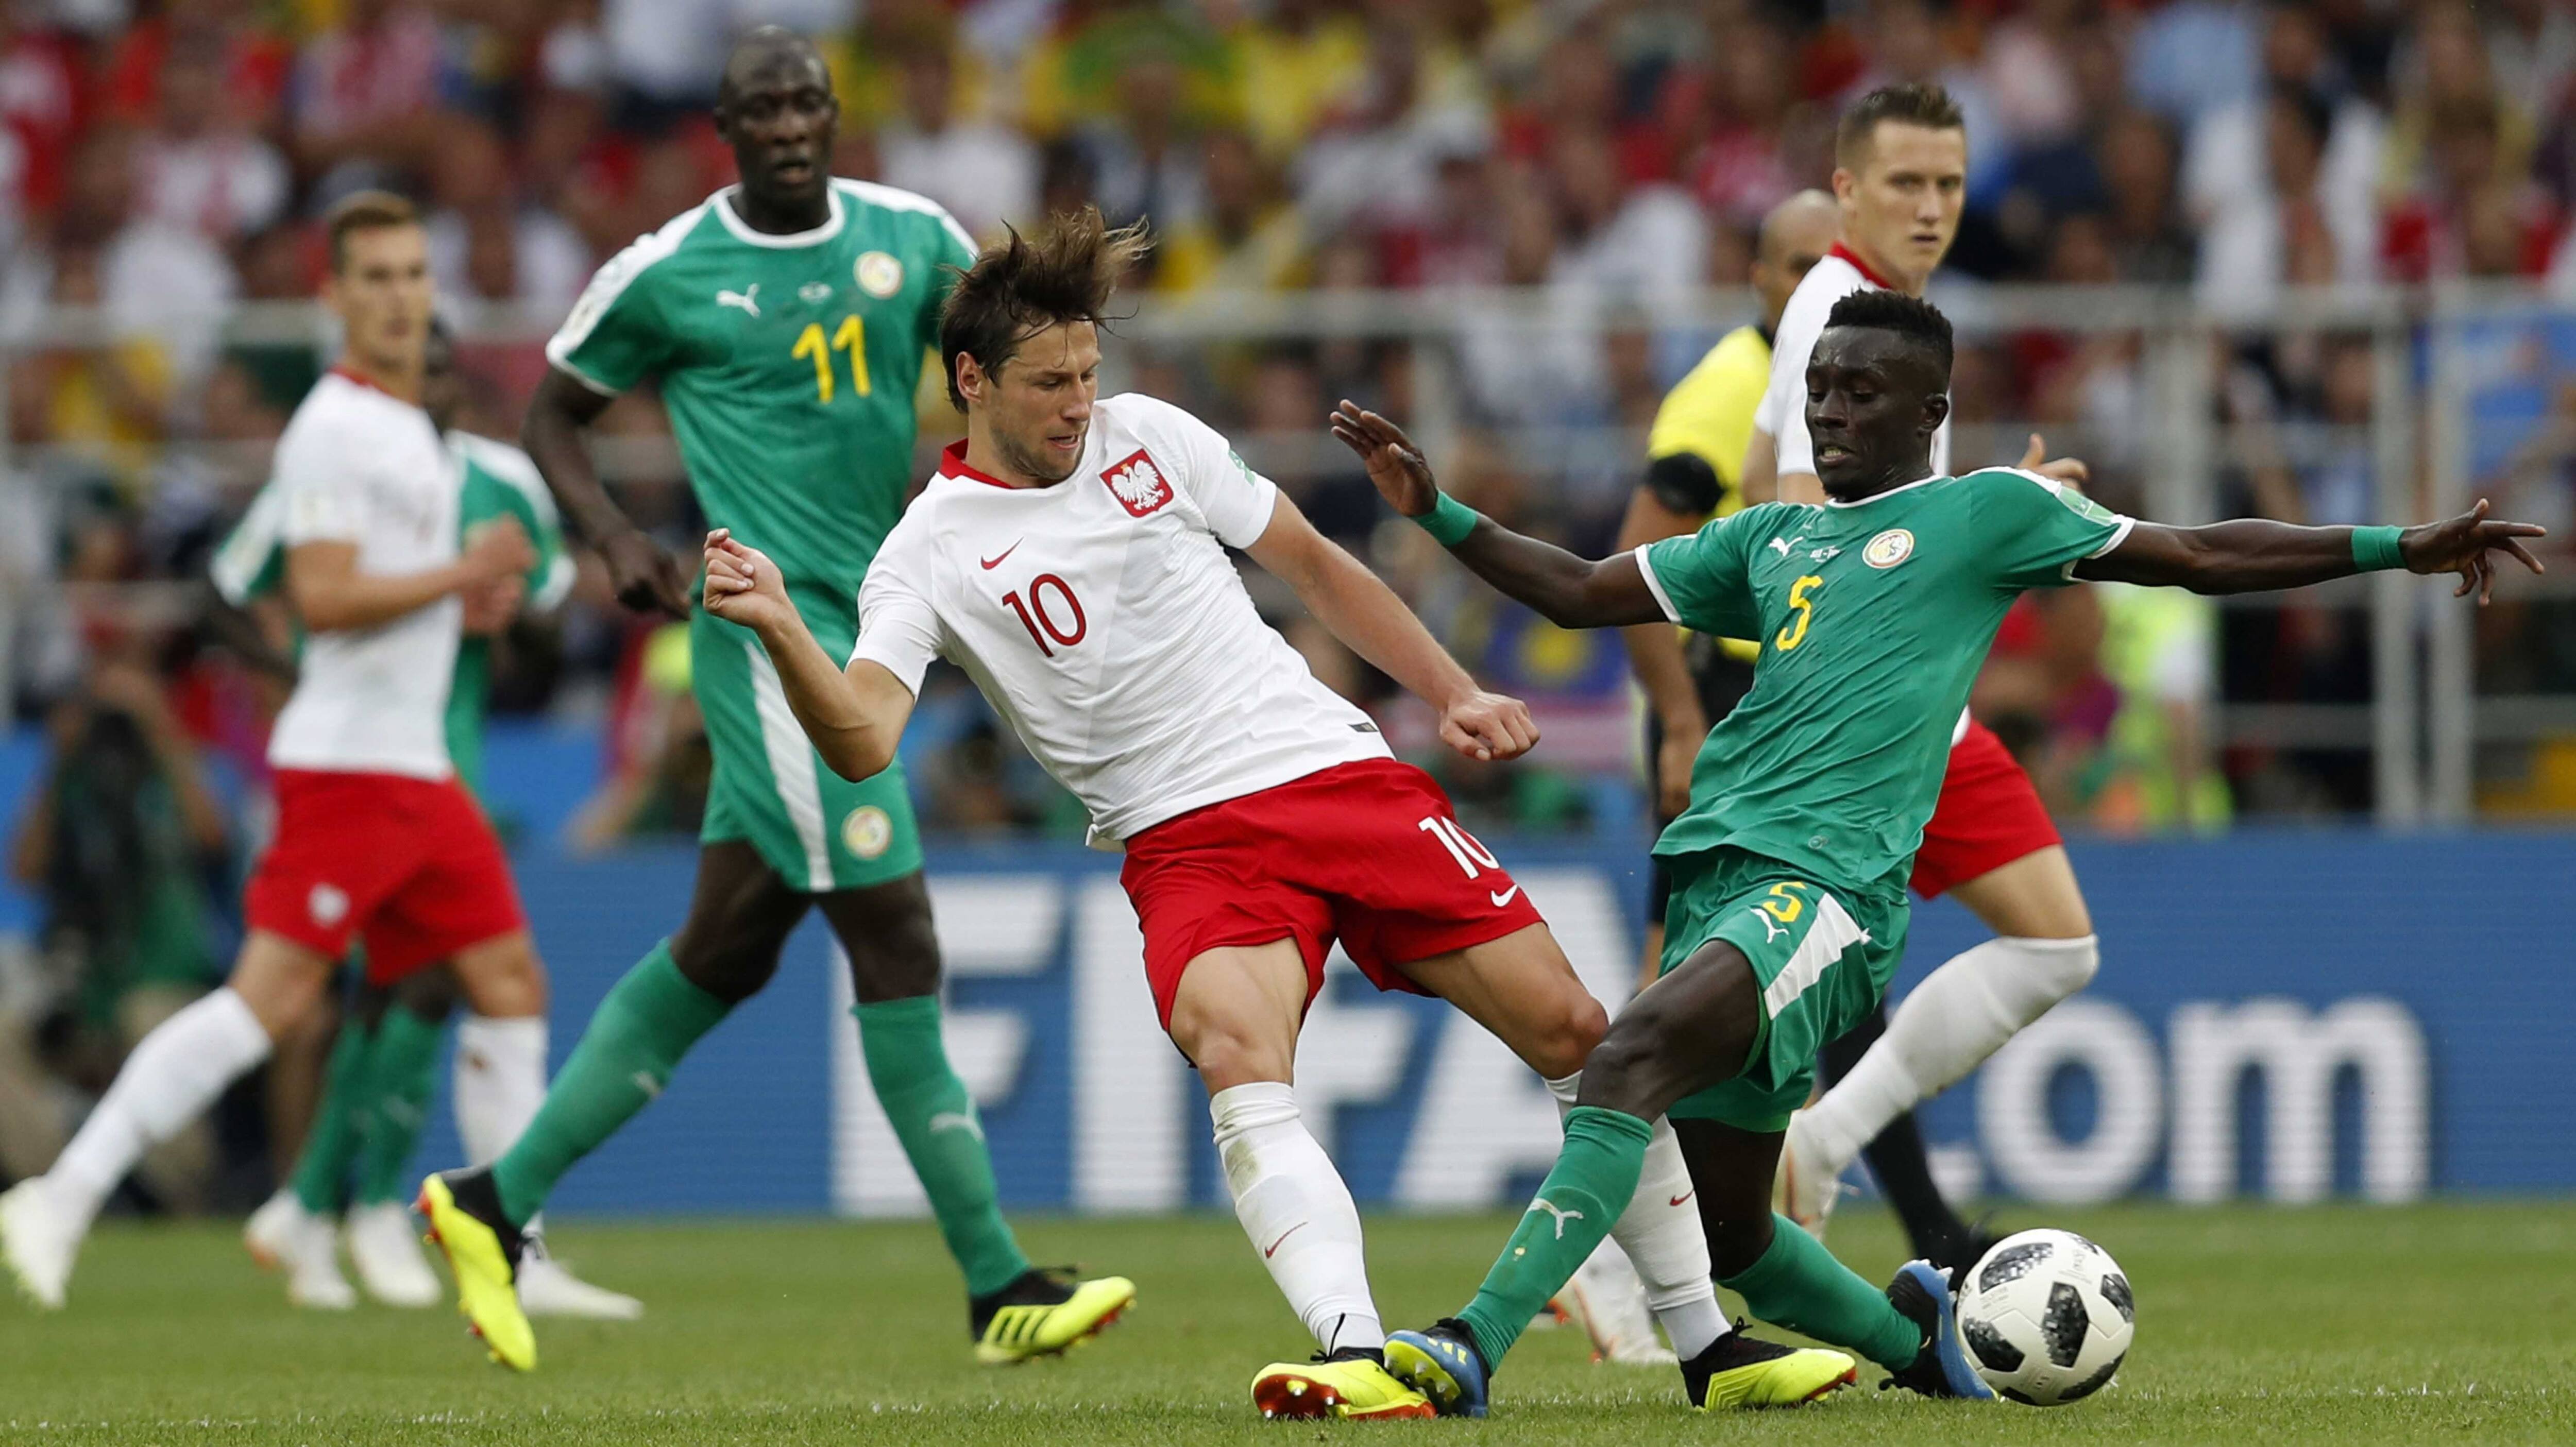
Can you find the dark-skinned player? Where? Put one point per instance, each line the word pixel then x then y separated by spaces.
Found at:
pixel 1874 611
pixel 786 319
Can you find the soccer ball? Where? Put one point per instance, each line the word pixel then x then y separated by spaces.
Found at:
pixel 2047 1317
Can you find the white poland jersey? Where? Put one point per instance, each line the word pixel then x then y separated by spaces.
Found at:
pixel 1783 409
pixel 360 465
pixel 1102 618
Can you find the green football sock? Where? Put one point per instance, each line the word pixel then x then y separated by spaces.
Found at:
pixel 626 1055
pixel 1595 1174
pixel 935 1119
pixel 321 1179
pixel 403 1070
pixel 1798 1284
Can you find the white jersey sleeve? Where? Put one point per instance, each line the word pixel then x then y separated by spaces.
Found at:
pixel 313 479
pixel 1235 501
pixel 899 627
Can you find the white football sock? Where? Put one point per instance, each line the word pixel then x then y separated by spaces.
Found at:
pixel 1660 1232
pixel 500 1082
pixel 1947 1026
pixel 1293 1204
pixel 169 1080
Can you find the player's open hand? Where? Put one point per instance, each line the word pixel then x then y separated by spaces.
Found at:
pixel 2068 470
pixel 1403 478
pixel 2466 545
pixel 498 549
pixel 1488 726
pixel 644 575
pixel 743 585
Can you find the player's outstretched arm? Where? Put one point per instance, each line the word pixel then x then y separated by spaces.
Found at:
pixel 1568 591
pixel 647 578
pixel 322 578
pixel 2252 555
pixel 1357 607
pixel 854 716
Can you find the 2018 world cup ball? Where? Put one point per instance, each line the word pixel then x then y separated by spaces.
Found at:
pixel 2047 1317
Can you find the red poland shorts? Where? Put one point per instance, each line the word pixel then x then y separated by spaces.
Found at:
pixel 1367 852
pixel 1988 816
pixel 408 867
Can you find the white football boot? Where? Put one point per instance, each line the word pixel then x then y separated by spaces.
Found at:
pixel 385 1248
pixel 1608 1302
pixel 1801 1190
pixel 40 1240
pixel 283 1236
pixel 547 1287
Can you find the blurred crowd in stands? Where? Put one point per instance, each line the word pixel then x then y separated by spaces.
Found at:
pixel 164 159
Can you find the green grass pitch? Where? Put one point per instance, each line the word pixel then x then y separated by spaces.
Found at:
pixel 2256 1327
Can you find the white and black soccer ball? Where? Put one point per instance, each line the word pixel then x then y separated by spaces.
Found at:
pixel 2047 1317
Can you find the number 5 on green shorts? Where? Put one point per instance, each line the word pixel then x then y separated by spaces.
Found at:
pixel 1822 954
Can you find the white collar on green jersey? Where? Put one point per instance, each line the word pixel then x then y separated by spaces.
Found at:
pixel 743 232
pixel 1891 492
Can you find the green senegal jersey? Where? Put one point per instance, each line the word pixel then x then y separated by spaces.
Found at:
pixel 788 365
pixel 1873 618
pixel 496 480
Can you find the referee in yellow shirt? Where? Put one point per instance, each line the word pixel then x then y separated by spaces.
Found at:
pixel 1694 470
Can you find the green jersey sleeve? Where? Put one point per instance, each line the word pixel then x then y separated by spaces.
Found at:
pixel 616 335
pixel 1704 579
pixel 2033 530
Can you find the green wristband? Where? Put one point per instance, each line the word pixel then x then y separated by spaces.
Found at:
pixel 2375 550
pixel 1449 521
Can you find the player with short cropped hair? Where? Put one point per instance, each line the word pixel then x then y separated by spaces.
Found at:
pixel 1070 556
pixel 350 1178
pixel 1875 610
pixel 377 840
pixel 785 319
pixel 1900 182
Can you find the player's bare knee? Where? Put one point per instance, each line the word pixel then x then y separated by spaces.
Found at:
pixel 1568 1042
pixel 503 979
pixel 886 930
pixel 429 994
pixel 1626 1069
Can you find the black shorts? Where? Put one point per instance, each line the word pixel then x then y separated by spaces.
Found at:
pixel 1721 680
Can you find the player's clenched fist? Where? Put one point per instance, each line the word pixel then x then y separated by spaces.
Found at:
pixel 1488 726
pixel 743 586
pixel 498 549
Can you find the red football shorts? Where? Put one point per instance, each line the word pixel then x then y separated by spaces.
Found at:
pixel 1368 853
pixel 408 867
pixel 1988 816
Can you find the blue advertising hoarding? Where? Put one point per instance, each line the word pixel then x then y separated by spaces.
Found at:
pixel 2282 1015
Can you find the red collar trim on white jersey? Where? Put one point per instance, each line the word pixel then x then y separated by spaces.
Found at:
pixel 1867 273
pixel 952 463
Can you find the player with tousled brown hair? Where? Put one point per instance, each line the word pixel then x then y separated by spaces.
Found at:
pixel 1070 556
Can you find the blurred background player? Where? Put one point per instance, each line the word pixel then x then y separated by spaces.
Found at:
pixel 350 1179
pixel 786 319
pixel 1261 814
pixel 377 839
pixel 1900 182
pixel 1694 472
pixel 1875 609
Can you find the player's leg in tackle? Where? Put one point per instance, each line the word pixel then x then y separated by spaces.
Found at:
pixel 1235 1013
pixel 1014 1311
pixel 1768 964
pixel 1991 845
pixel 1522 988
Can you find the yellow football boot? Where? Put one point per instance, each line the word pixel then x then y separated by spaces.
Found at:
pixel 1352 1386
pixel 1740 1371
pixel 482 1250
pixel 1045 1313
